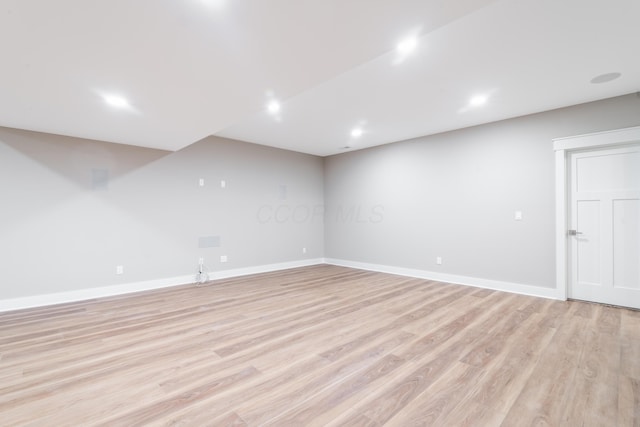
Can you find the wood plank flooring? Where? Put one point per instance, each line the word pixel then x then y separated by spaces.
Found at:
pixel 320 346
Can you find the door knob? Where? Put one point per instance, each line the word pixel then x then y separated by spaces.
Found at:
pixel 574 232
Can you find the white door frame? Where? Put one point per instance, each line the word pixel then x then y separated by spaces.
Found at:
pixel 562 148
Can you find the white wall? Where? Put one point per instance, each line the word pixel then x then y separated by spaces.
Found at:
pixel 454 195
pixel 59 233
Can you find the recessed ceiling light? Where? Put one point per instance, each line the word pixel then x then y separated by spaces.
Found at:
pixel 407 45
pixel 116 101
pixel 217 4
pixel 478 100
pixel 356 133
pixel 605 78
pixel 273 107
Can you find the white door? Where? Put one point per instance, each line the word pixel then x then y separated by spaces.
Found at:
pixel 604 226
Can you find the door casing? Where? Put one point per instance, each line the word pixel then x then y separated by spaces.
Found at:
pixel 562 148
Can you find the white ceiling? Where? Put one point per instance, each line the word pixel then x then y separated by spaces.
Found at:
pixel 194 68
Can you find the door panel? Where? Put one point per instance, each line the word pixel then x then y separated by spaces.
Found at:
pixel 608 172
pixel 626 244
pixel 604 254
pixel 588 243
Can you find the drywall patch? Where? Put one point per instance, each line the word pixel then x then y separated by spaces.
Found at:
pixel 99 179
pixel 283 192
pixel 209 242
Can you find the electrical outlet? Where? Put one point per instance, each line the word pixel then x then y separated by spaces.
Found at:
pixel 223 184
pixel 201 260
pixel 304 250
pixel 518 216
pixel 119 269
pixel 201 182
pixel 439 260
pixel 223 258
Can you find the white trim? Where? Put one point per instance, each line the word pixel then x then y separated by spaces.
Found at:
pixel 598 139
pixel 91 293
pixel 496 285
pixel 237 272
pixel 561 224
pixel 109 291
pixel 562 148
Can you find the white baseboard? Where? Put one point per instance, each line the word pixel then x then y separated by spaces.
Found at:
pixel 236 272
pixel 108 291
pixel 496 285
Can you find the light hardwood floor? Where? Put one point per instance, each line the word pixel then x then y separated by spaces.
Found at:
pixel 323 346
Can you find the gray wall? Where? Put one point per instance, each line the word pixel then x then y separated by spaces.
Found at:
pixel 454 195
pixel 63 228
